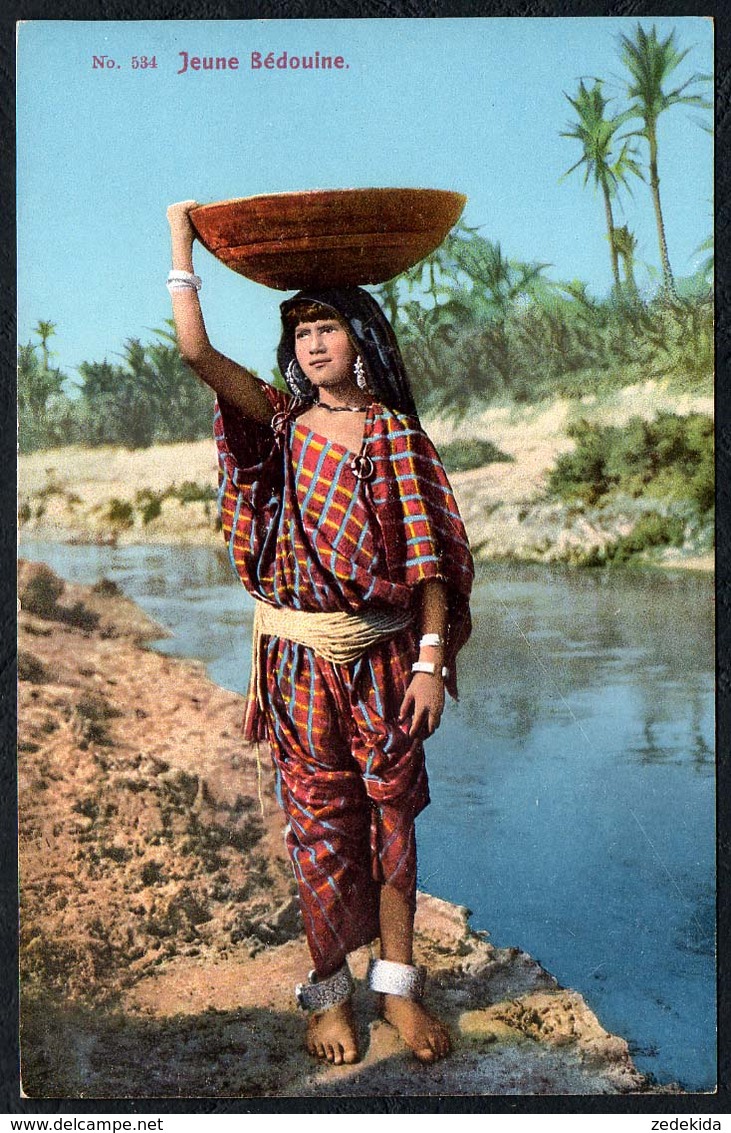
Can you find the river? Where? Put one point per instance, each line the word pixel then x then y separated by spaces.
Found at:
pixel 573 783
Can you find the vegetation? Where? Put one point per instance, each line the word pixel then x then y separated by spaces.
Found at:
pixel 477 326
pixel 650 63
pixel 605 160
pixel 460 456
pixel 120 513
pixel 474 326
pixel 150 397
pixel 190 491
pixel 670 458
pixel 500 331
pixel 666 463
pixel 40 597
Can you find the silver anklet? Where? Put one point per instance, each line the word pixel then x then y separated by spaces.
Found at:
pixel 390 978
pixel 321 995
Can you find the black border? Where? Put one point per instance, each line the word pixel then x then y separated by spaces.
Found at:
pixel 10 1100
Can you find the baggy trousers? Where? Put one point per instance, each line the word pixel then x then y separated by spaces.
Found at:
pixel 351 783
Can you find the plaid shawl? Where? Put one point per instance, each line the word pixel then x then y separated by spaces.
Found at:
pixel 420 529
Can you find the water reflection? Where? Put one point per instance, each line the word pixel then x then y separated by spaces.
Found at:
pixel 572 785
pixel 542 649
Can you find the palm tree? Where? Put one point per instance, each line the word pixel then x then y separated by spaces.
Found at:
pixel 495 282
pixel 650 62
pixel 706 268
pixel 625 243
pixel 45 330
pixel 435 276
pixel 609 168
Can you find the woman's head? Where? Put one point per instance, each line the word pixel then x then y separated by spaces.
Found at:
pixel 338 320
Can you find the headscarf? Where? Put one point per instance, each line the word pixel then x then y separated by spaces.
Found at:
pixel 372 336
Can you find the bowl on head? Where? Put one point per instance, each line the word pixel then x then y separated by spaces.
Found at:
pixel 327 237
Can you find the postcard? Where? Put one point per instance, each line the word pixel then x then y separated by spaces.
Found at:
pixel 389 342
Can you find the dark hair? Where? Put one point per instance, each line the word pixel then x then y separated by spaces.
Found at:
pixel 306 311
pixel 370 332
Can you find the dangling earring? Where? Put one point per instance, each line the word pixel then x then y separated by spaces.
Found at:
pixel 299 385
pixel 360 374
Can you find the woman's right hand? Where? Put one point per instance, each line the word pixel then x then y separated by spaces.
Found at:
pixel 179 217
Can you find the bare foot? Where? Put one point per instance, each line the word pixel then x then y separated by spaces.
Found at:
pixel 427 1036
pixel 331 1034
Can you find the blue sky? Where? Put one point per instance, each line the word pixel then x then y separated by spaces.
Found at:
pixel 475 105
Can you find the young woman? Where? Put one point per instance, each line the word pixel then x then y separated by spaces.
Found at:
pixel 340 520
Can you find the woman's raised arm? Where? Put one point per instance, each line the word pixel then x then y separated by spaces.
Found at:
pixel 229 380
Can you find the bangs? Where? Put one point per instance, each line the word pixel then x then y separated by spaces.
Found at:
pixel 308 312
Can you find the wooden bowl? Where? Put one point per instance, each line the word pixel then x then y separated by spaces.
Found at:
pixel 327 237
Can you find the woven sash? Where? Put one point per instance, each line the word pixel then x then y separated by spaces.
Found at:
pixel 339 637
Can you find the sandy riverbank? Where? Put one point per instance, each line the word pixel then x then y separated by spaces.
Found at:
pixel 160 935
pixel 103 494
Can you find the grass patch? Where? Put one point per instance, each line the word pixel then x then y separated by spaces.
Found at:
pixel 93 711
pixel 31 668
pixel 150 504
pixel 79 616
pixel 192 492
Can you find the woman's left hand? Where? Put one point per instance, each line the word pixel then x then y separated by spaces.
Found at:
pixel 423 703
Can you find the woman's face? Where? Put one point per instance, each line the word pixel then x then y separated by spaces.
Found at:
pixel 324 352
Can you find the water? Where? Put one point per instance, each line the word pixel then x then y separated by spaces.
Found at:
pixel 573 784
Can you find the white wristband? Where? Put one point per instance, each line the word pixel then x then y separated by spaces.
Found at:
pixel 178 288
pixel 431 639
pixel 182 279
pixel 427 667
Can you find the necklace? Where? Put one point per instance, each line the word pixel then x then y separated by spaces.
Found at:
pixel 341 408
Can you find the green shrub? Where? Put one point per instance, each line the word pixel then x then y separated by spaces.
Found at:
pixel 702 486
pixel 150 504
pixel 151 510
pixel 191 492
pixel 670 458
pixel 652 530
pixel 460 456
pixel 582 474
pixel 40 595
pixel 120 513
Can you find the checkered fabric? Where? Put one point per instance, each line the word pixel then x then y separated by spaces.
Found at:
pixel 351 784
pixel 302 531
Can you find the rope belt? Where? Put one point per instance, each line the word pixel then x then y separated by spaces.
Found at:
pixel 340 637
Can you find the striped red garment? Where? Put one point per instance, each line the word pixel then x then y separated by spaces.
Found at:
pixel 302 530
pixel 343 543
pixel 351 783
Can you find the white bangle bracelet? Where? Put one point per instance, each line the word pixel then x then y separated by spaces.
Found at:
pixel 427 667
pixel 431 639
pixel 176 288
pixel 184 279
